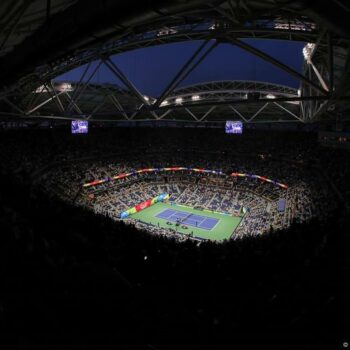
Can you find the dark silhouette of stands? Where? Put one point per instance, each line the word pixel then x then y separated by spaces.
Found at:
pixel 69 275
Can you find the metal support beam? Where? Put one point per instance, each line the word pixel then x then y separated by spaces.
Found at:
pixel 77 94
pixel 330 63
pixel 338 94
pixel 44 103
pixel 310 103
pixel 207 113
pixel 137 111
pixel 21 12
pixel 191 114
pixel 245 101
pixel 185 70
pixel 155 115
pixel 48 90
pixel 165 114
pixel 230 15
pixel 302 109
pixel 275 62
pixel 77 86
pixel 258 112
pixel 119 107
pixel 10 114
pixel 6 100
pixel 319 77
pixel 288 111
pixel 237 112
pixel 59 102
pixel 73 103
pixel 317 43
pixel 97 107
pixel 122 77
pixel 35 96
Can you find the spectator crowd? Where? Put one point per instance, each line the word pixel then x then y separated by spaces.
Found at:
pixel 67 269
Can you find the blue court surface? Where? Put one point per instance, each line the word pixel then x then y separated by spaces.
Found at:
pixel 185 218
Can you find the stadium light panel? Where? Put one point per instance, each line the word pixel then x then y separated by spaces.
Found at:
pixel 40 89
pixel 270 96
pixel 178 100
pixel 307 51
pixel 65 87
pixel 195 97
pixel 164 103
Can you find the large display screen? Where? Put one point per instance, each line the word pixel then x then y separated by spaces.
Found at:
pixel 80 126
pixel 234 127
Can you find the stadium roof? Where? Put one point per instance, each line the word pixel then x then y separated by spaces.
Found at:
pixel 43 39
pixel 21 19
pixel 204 102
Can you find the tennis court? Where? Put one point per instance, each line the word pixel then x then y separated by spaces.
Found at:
pixel 210 225
pixel 189 219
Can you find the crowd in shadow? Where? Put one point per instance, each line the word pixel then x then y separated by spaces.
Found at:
pixel 70 276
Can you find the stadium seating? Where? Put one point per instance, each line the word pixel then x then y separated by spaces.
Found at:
pixel 61 255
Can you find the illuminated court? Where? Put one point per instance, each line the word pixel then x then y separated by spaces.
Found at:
pixel 201 224
pixel 188 219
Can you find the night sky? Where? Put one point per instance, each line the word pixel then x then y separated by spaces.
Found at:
pixel 151 69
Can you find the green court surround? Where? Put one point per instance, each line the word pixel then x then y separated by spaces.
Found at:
pixel 223 230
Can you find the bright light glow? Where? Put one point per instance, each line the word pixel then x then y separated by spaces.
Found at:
pixel 65 87
pixel 166 31
pixel 307 51
pixel 178 100
pixel 299 92
pixel 164 103
pixel 195 97
pixel 233 127
pixel 40 89
pixel 270 96
pixel 146 98
pixel 295 26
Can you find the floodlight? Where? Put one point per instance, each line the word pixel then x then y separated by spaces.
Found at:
pixel 40 89
pixel 307 51
pixel 178 100
pixel 164 103
pixel 195 97
pixel 65 87
pixel 270 96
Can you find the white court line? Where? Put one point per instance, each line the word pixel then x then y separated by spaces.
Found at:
pixel 218 220
pixel 163 211
pixel 204 218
